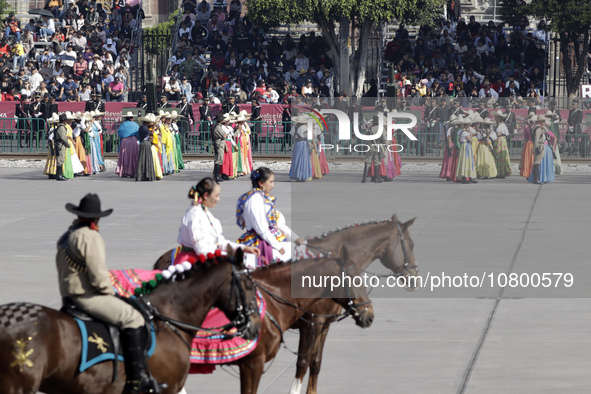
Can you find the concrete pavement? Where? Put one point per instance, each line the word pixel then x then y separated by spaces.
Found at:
pixel 484 340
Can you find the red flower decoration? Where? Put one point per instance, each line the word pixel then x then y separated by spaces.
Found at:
pixel 210 256
pixel 218 253
pixel 202 258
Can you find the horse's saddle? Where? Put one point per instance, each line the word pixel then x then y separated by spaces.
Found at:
pixel 100 341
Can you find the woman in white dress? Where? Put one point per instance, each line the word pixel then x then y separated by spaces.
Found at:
pixel 200 232
pixel 265 226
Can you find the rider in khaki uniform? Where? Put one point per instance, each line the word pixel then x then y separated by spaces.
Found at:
pixel 84 279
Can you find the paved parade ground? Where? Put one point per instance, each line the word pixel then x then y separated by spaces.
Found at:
pixel 443 341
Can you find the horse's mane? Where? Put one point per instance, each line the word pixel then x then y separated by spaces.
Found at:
pixel 349 227
pixel 148 287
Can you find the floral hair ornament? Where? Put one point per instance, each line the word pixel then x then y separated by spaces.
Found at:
pixel 196 197
pixel 255 175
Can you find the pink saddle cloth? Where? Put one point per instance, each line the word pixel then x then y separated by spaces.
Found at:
pixel 207 349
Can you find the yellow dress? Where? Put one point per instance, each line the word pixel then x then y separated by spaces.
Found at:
pixel 316 171
pixel 156 156
pixel 246 150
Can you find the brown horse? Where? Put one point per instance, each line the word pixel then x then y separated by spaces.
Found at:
pixel 42 347
pixel 283 310
pixel 388 241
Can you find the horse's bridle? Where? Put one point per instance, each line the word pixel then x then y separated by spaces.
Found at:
pixel 352 307
pixel 406 267
pixel 241 322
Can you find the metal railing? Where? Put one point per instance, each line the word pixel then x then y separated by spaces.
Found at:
pixel 268 138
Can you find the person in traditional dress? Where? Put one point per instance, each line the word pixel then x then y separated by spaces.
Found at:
pixel 72 166
pixel 448 154
pixel 200 232
pixel 503 160
pixel 552 119
pixel 543 167
pixel 51 163
pixel 79 142
pixel 176 135
pixel 61 144
pixel 145 165
pixel 527 157
pixel 170 149
pixel 301 166
pixel 239 131
pixel 486 167
pixel 228 164
pixel 265 226
pixel 375 155
pixel 156 147
pixel 128 147
pixel 246 148
pixel 466 170
pixel 314 155
pixel 97 131
pixel 236 154
pixel 166 144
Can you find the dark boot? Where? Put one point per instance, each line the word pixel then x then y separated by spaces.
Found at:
pixel 59 173
pixel 364 179
pixel 138 381
pixel 216 173
pixel 536 171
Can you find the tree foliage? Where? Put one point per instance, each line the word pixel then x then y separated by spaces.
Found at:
pixel 570 19
pixel 4 8
pixel 161 39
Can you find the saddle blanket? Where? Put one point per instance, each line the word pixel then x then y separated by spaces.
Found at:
pixel 207 349
pixel 97 344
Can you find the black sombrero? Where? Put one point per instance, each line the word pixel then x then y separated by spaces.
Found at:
pixel 90 207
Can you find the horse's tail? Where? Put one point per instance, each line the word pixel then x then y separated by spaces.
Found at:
pixel 36 342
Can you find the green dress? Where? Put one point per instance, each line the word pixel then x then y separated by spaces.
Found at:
pixel 178 155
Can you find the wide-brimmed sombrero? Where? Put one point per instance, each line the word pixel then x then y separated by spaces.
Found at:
pixel 89 208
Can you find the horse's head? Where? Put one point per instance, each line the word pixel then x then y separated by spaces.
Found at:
pixel 399 255
pixel 239 303
pixel 354 297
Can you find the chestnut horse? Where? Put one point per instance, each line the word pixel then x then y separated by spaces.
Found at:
pixel 275 282
pixel 388 241
pixel 43 351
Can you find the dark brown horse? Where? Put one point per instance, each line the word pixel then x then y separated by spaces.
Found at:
pixel 283 310
pixel 41 352
pixel 388 241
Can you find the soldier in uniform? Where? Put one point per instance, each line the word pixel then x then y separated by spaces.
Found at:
pixel 143 103
pixel 575 118
pixel 186 114
pixel 376 153
pixel 22 112
pixel 95 104
pixel 457 110
pixel 430 129
pixel 482 110
pixel 84 281
pixel 256 123
pixel 205 118
pixel 37 111
pixel 230 105
pixel 164 102
pixel 60 140
pixel 219 146
pixel 50 107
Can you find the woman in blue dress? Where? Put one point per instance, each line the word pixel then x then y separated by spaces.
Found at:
pixel 301 166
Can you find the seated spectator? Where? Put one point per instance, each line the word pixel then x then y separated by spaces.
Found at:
pixel 115 90
pixel 203 12
pixel 302 62
pixel 214 25
pixel 217 60
pixel 13 27
pixel 173 89
pixel 79 67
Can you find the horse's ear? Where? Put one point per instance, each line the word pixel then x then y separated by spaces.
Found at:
pixel 239 257
pixel 406 225
pixel 342 253
pixel 394 218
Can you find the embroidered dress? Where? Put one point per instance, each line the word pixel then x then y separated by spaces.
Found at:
pixel 265 228
pixel 178 149
pixel 200 233
pixel 546 168
pixel 97 140
pixel 503 161
pixel 301 166
pixel 485 161
pixel 51 162
pixel 79 146
pixel 246 150
pixel 527 157
pixel 166 146
pixel 466 167
pixel 156 157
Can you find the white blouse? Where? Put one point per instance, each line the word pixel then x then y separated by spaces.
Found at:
pixel 502 128
pixel 202 232
pixel 255 218
pixel 464 136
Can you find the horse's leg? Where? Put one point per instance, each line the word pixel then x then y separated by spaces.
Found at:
pixel 308 335
pixel 317 358
pixel 250 374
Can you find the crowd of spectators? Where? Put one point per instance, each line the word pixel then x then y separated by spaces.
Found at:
pixel 221 53
pixel 471 61
pixel 76 50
